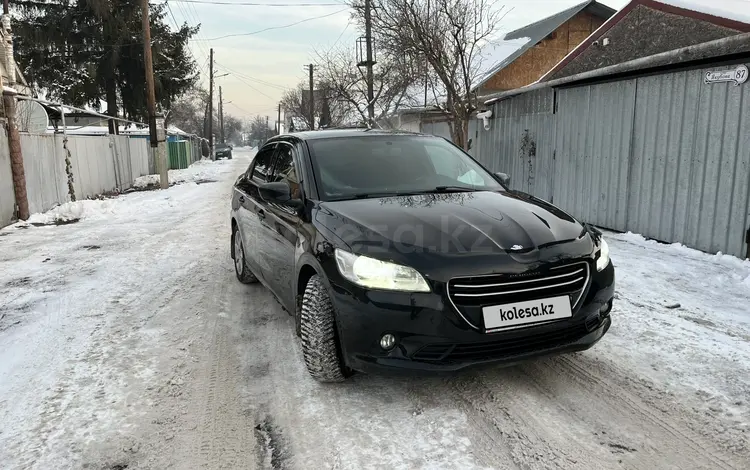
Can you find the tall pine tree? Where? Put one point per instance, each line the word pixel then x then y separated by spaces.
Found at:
pixel 82 51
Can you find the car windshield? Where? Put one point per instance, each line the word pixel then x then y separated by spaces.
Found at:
pixel 222 146
pixel 382 165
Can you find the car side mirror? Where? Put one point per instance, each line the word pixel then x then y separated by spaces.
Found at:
pixel 503 177
pixel 280 193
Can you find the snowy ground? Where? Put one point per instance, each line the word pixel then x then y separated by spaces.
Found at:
pixel 202 171
pixel 125 341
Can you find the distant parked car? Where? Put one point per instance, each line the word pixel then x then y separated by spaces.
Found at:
pixel 398 251
pixel 223 150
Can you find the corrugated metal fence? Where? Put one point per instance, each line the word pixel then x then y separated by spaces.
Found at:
pixel 667 156
pixel 7 196
pixel 100 164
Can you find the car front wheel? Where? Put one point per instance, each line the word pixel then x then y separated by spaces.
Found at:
pixel 318 328
pixel 244 275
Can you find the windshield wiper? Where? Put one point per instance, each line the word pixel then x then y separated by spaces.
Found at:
pixel 448 189
pixel 437 189
pixel 370 195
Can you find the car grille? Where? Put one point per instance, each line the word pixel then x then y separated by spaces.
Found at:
pixel 497 349
pixel 470 294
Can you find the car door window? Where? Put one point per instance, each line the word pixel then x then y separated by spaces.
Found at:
pixel 262 165
pixel 285 171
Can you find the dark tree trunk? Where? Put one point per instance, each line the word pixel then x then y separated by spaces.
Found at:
pixel 112 106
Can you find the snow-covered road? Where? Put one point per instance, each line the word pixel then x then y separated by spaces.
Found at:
pixel 126 342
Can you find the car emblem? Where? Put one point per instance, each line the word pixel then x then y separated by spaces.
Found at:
pixel 516 247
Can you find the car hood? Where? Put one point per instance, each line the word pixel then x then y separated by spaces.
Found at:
pixel 449 223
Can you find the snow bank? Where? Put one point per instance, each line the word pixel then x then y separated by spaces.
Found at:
pixel 73 211
pixel 719 258
pixel 200 171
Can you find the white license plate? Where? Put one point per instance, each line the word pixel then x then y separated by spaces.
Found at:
pixel 526 313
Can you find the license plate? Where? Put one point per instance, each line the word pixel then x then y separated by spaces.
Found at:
pixel 526 313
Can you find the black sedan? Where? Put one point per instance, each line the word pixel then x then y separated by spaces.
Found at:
pixel 223 150
pixel 399 252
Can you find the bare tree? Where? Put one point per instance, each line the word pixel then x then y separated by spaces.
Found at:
pixel 446 34
pixel 328 109
pixel 392 83
pixel 259 130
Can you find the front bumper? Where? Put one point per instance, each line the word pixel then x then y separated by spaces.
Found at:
pixel 432 337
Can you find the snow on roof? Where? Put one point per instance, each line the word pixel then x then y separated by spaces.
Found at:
pixel 499 56
pixel 517 42
pixel 738 10
pixel 176 130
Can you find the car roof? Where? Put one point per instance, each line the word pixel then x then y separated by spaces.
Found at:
pixel 339 133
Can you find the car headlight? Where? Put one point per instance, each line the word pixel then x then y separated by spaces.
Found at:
pixel 603 260
pixel 375 274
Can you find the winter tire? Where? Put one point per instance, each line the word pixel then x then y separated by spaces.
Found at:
pixel 244 274
pixel 318 327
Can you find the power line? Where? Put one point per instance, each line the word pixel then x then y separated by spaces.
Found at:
pixel 239 107
pixel 177 25
pixel 194 19
pixel 244 75
pixel 342 33
pixel 277 27
pixel 249 85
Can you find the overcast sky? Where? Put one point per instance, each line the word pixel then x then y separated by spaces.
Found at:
pixel 262 65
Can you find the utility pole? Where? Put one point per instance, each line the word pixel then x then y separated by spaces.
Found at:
pixel 156 134
pixel 278 121
pixel 312 100
pixel 14 138
pixel 221 117
pixel 211 103
pixel 368 38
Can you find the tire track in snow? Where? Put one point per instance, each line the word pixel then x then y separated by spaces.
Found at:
pixel 667 424
pixel 225 437
pixel 488 442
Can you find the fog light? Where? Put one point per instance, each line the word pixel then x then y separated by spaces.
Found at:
pixel 604 310
pixel 388 341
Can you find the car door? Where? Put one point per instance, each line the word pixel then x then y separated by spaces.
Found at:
pixel 251 208
pixel 282 223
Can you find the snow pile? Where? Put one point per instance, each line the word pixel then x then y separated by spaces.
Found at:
pixel 729 261
pixel 72 212
pixel 680 319
pixel 200 171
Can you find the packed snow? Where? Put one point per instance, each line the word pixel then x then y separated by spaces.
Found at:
pixel 203 170
pixel 126 342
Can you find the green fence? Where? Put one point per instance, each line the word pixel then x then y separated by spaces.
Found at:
pixel 179 154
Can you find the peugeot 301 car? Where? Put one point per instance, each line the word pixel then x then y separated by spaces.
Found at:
pixel 399 252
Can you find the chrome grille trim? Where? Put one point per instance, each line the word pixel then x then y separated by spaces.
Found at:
pixel 574 305
pixel 521 290
pixel 483 286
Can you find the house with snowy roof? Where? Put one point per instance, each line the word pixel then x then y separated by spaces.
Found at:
pixel 526 54
pixel 643 28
